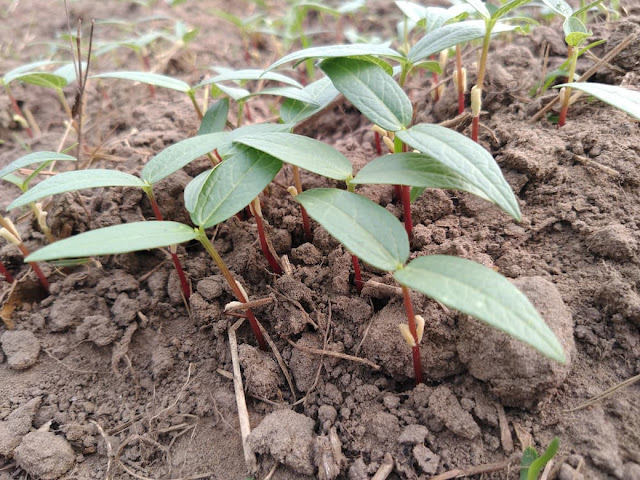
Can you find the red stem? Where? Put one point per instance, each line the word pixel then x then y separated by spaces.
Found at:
pixel 358 275
pixel 306 224
pixel 265 246
pixel 215 152
pixel 435 78
pixel 417 366
pixel 184 283
pixel 475 124
pixel 378 144
pixel 397 192
pixel 147 66
pixel 3 270
pixel 563 115
pixel 247 112
pixel 43 279
pixel 406 207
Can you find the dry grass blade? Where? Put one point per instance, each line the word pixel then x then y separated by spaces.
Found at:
pixel 385 469
pixel 344 356
pixel 243 413
pixel 279 359
pixel 477 470
pixel 605 394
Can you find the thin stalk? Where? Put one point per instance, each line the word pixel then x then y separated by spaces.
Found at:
pixel 415 349
pixel 573 53
pixel 306 225
pixel 41 276
pixel 405 193
pixel 64 103
pixel 43 225
pixel 436 79
pixel 194 102
pixel 184 283
pixel 460 82
pixel 5 273
pixel 17 110
pixel 480 82
pixel 257 214
pixel 357 275
pixel 146 63
pixel 237 292
pixel 376 136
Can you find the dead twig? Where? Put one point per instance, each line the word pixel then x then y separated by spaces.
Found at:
pixel 605 394
pixel 477 470
pixel 108 475
pixel 505 434
pixel 385 469
pixel 238 306
pixel 71 369
pixel 330 353
pixel 243 414
pixel 279 359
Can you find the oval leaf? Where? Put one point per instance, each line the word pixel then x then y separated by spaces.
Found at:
pixel 43 79
pixel 470 160
pixel 321 91
pixel 303 152
pixel 414 170
pixel 215 118
pixel 247 75
pixel 227 148
pixel 150 79
pixel 334 51
pixel 193 188
pixel 450 36
pixel 76 180
pixel 372 91
pixel 482 293
pixel 11 75
pixel 232 185
pixel 559 6
pixel 34 158
pixel 176 156
pixel 619 97
pixel 287 92
pixel 128 237
pixel 365 228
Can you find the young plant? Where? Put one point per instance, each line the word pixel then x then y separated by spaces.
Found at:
pixel 490 20
pixel 211 198
pixel 373 234
pixel 43 160
pixel 9 232
pixel 531 464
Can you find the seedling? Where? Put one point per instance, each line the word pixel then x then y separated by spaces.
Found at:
pixel 43 160
pixel 531 464
pixel 9 232
pixel 373 234
pixel 490 20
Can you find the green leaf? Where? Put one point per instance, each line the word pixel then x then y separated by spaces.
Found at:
pixel 303 152
pixel 413 11
pixel 621 98
pixel 538 464
pixel 76 180
pixel 322 92
pixel 232 185
pixel 11 75
pixel 192 190
pixel 227 148
pixel 68 71
pixel 450 36
pixel 415 170
pixel 150 79
pixel 334 51
pixel 128 237
pixel 480 7
pixel 34 158
pixel 559 6
pixel 215 118
pixel 43 79
pixel 470 160
pixel 249 74
pixel 415 193
pixel 528 456
pixel 235 93
pixel 506 8
pixel 575 31
pixel 482 293
pixel 287 92
pixel 176 156
pixel 365 228
pixel 372 91
pixel 11 178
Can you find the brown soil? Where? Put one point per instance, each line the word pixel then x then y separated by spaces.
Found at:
pixel 116 374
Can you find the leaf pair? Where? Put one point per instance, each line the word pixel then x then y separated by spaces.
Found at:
pixel 373 234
